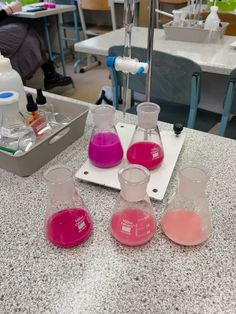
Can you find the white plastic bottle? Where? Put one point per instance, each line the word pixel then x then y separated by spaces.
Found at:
pixel 11 80
pixel 212 21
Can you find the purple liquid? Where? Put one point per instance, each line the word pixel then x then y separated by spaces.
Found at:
pixel 69 227
pixel 147 154
pixel 105 150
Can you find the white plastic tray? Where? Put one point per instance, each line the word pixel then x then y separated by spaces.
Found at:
pixel 159 177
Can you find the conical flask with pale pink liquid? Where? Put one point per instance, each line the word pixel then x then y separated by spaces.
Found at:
pixel 187 220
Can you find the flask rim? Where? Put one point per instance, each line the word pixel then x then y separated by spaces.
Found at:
pixel 150 104
pixel 98 109
pixel 60 181
pixel 145 171
pixel 202 173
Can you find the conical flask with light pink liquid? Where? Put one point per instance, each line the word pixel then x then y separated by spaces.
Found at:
pixel 105 149
pixel 187 220
pixel 146 147
pixel 133 221
pixel 67 222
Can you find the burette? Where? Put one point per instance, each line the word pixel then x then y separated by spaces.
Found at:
pixel 132 66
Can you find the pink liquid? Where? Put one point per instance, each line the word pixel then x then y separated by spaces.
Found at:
pixel 132 226
pixel 105 150
pixel 69 227
pixel 147 154
pixel 184 227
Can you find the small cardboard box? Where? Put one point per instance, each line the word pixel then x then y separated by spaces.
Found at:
pixel 47 148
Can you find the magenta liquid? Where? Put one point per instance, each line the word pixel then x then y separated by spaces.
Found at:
pixel 105 150
pixel 132 226
pixel 69 227
pixel 147 154
pixel 184 227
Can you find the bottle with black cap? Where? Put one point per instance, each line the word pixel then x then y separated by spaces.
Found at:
pixel 42 103
pixel 36 118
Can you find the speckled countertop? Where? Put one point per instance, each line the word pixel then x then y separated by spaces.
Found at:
pixel 102 276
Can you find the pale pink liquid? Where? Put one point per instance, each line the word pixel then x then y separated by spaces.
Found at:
pixel 147 154
pixel 105 150
pixel 132 226
pixel 184 227
pixel 69 227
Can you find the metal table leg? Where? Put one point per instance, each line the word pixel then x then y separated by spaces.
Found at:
pixel 60 45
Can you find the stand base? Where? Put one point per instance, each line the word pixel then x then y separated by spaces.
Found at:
pixel 160 177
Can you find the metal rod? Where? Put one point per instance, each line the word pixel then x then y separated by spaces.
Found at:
pixel 129 8
pixel 152 4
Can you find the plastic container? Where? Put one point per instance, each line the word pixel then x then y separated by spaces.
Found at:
pixel 13 130
pixel 192 34
pixel 43 151
pixel 11 80
pixel 212 21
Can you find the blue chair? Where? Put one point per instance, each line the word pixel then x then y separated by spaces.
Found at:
pixel 175 87
pixel 227 125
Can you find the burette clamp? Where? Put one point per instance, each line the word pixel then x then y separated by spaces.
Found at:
pixel 127 65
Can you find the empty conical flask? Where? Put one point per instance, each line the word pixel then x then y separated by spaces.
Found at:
pixel 187 220
pixel 105 150
pixel 68 222
pixel 133 221
pixel 146 146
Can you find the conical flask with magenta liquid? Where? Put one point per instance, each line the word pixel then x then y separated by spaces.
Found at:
pixel 146 147
pixel 105 149
pixel 67 222
pixel 133 221
pixel 187 220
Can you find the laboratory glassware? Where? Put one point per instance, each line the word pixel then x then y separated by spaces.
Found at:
pixel 187 219
pixel 133 221
pixel 68 222
pixel 146 147
pixel 105 150
pixel 12 126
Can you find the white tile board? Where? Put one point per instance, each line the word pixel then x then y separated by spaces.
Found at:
pixel 160 177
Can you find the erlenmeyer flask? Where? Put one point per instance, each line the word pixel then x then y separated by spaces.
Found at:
pixel 105 150
pixel 146 147
pixel 68 222
pixel 133 221
pixel 187 220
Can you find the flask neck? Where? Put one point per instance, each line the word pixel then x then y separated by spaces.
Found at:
pixel 192 182
pixel 103 117
pixel 60 183
pixel 133 182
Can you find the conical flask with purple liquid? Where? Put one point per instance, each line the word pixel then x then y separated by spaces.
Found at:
pixel 146 146
pixel 105 149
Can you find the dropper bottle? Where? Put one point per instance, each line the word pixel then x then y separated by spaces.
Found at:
pixel 42 103
pixel 36 118
pixel 32 108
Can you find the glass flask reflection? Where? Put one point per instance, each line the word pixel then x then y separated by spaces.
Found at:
pixel 105 150
pixel 133 221
pixel 146 146
pixel 68 222
pixel 187 219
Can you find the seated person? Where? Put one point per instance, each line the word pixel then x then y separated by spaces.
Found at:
pixel 26 49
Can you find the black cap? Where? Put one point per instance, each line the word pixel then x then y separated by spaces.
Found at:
pixel 31 105
pixel 41 99
pixel 178 128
